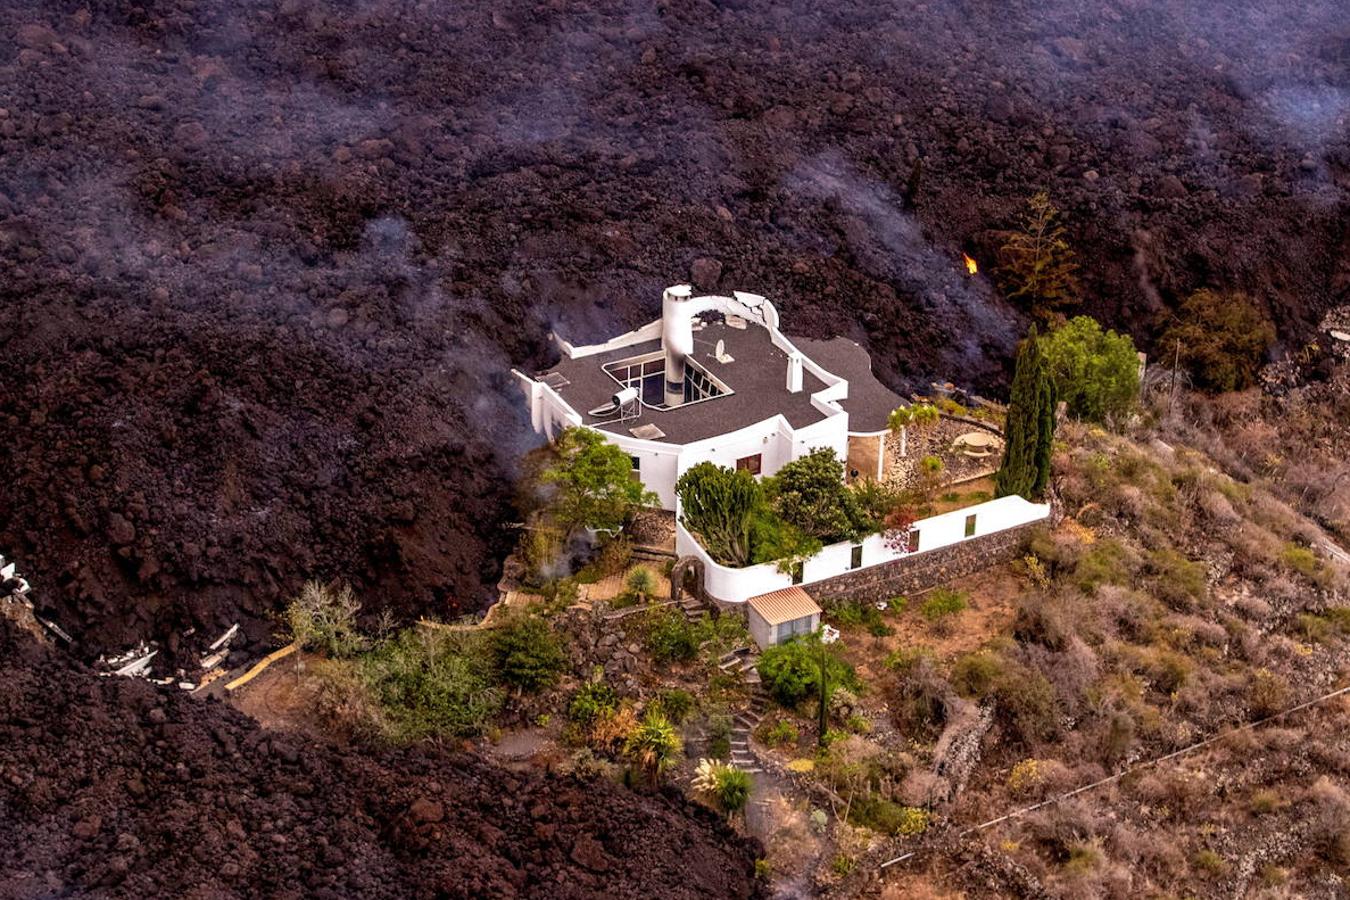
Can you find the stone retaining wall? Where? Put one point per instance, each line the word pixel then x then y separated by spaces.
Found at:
pixel 923 570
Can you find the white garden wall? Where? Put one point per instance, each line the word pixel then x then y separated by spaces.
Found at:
pixel 738 585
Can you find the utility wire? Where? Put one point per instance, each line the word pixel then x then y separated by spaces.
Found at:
pixel 1017 813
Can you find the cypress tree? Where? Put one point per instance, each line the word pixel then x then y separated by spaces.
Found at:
pixel 1029 429
pixel 1045 437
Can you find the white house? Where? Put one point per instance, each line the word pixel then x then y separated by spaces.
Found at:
pixel 715 380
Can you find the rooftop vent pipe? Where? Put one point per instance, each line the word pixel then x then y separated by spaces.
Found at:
pixel 677 339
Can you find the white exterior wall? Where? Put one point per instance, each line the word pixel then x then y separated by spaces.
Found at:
pixel 661 464
pixel 658 464
pixel 549 413
pixel 738 585
pixel 760 630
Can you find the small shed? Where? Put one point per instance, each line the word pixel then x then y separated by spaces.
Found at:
pixel 778 615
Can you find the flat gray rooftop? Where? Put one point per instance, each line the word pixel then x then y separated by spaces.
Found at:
pixel 869 402
pixel 757 377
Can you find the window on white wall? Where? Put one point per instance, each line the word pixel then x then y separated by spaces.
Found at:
pixel 750 463
pixel 970 526
pixel 855 561
pixel 913 544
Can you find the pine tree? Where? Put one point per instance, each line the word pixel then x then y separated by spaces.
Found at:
pixel 1029 429
pixel 1038 265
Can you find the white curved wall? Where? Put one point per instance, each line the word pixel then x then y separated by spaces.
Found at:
pixel 738 585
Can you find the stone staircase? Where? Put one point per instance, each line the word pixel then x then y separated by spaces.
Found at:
pixel 742 661
pixel 692 607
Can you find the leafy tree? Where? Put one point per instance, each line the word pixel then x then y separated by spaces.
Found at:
pixel 1029 429
pixel 527 653
pixel 877 501
pixel 1221 338
pixel 791 671
pixel 903 418
pixel 593 482
pixel 1095 372
pixel 810 493
pixel 719 505
pixel 654 745
pixel 323 617
pixel 1038 263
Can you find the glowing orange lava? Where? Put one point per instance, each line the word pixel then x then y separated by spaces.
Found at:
pixel 972 266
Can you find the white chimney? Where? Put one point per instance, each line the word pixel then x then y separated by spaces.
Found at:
pixel 677 338
pixel 794 372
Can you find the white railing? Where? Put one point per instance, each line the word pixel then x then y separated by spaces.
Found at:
pixel 738 585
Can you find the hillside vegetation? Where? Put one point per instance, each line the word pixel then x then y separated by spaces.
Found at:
pixel 1171 603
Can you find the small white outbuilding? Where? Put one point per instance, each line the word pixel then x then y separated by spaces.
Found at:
pixel 782 614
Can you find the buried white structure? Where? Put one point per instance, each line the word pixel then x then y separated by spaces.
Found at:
pixel 715 380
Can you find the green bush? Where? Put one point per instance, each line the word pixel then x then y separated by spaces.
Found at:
pixel 943 603
pixel 731 788
pixel 975 674
pixel 791 671
pixel 428 682
pixel 1301 560
pixel 323 618
pixel 654 745
pixel 677 704
pixel 670 637
pixel 1180 582
pixel 1209 862
pixel 853 613
pixel 905 659
pixel 594 700
pixel 527 653
pixel 1169 670
pixel 719 736
pixel 887 817
pixel 1023 697
pixel 642 581
pixel 1314 627
pixel 782 733
pixel 1104 563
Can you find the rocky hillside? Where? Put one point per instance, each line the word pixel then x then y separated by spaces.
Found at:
pixel 267 264
pixel 133 791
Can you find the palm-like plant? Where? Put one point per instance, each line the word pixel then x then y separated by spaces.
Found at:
pixel 903 418
pixel 726 785
pixel 654 745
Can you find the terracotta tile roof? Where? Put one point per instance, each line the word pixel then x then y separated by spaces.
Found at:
pixel 784 605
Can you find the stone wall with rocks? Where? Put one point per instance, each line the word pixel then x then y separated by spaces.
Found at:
pixel 923 570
